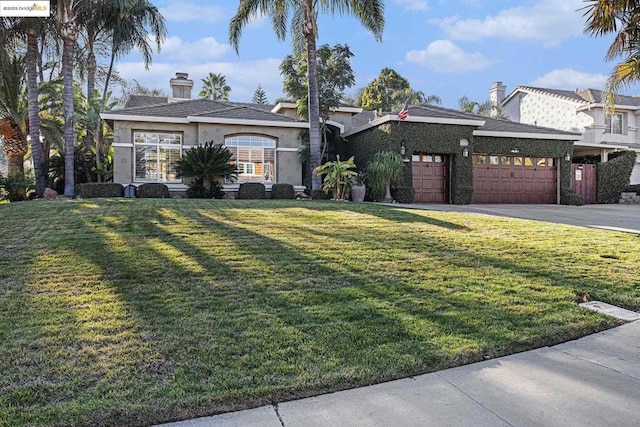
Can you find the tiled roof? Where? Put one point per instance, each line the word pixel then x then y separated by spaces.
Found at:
pixel 143 100
pixel 205 108
pixel 587 96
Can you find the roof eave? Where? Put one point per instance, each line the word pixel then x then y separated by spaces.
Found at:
pixel 527 135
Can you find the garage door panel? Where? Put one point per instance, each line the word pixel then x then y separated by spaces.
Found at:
pixel 512 179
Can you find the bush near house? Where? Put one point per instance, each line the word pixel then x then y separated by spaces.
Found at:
pixel 282 191
pixel 613 176
pixel 570 197
pixel 403 194
pixel 17 187
pixel 92 190
pixel 252 190
pixel 153 190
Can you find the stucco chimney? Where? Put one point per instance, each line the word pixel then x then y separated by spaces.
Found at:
pixel 181 86
pixel 497 93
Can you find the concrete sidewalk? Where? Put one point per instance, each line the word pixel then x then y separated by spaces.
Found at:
pixel 593 381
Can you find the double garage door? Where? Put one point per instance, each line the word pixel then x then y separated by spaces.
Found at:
pixel 496 179
pixel 514 179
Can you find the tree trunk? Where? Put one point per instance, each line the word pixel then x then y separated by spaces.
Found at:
pixel 387 196
pixel 15 148
pixel 69 35
pixel 99 133
pixel 34 108
pixel 314 109
pixel 92 66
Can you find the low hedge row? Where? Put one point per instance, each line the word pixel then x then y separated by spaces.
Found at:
pixel 252 190
pixel 152 190
pixel 92 190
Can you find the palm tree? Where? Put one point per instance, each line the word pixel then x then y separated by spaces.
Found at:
pixel 304 29
pixel 621 17
pixel 12 110
pixel 215 86
pixel 67 20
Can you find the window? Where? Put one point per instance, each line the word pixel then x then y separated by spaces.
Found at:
pixel 613 123
pixel 254 157
pixel 157 155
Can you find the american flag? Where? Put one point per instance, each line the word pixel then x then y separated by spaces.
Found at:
pixel 404 113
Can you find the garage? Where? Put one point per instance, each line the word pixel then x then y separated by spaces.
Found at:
pixel 430 178
pixel 514 179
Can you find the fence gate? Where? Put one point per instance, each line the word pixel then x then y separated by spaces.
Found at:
pixel 583 181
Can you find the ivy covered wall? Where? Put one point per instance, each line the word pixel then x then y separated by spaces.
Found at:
pixel 445 139
pixel 613 176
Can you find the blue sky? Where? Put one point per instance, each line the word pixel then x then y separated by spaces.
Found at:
pixel 449 48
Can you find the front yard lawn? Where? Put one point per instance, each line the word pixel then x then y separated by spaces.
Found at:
pixel 133 312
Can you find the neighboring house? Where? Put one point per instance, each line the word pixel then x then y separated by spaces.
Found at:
pixel 452 157
pixel 582 111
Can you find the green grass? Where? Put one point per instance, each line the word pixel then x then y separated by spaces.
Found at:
pixel 134 312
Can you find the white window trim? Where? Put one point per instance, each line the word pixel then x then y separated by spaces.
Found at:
pixel 158 146
pixel 258 178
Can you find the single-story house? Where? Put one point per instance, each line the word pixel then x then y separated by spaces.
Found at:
pixel 451 156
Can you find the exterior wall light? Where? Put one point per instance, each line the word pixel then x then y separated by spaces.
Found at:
pixel 567 156
pixel 464 143
pixel 515 150
pixel 402 148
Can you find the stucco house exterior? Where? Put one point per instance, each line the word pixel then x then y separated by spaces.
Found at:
pixel 450 156
pixel 582 111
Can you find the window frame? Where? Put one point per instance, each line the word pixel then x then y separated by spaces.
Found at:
pixel 609 123
pixel 159 147
pixel 252 142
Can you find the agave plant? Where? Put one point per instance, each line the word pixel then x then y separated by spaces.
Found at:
pixel 384 169
pixel 339 176
pixel 205 163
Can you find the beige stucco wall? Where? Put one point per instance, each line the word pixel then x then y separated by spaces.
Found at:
pixel 288 167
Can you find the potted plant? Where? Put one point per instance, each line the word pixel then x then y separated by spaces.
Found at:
pixel 385 169
pixel 359 189
pixel 338 177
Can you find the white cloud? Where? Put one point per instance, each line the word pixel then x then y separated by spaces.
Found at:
pixel 187 12
pixel 443 56
pixel 243 77
pixel 547 21
pixel 207 48
pixel 419 5
pixel 568 78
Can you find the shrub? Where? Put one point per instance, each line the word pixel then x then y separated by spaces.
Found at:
pixel 338 176
pixel 17 187
pixel 570 197
pixel 635 188
pixel 153 190
pixel 92 190
pixel 403 194
pixel 252 190
pixel 385 169
pixel 197 190
pixel 206 164
pixel 282 191
pixel 613 176
pixel 320 195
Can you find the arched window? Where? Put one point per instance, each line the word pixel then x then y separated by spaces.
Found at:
pixel 254 157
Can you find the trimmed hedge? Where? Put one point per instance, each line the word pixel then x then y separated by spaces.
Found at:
pixel 93 190
pixel 282 191
pixel 252 190
pixel 319 195
pixel 613 176
pixel 403 194
pixel 153 190
pixel 570 197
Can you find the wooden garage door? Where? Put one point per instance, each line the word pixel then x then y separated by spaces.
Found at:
pixel 430 178
pixel 514 179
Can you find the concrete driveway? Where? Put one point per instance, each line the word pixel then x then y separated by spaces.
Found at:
pixel 611 217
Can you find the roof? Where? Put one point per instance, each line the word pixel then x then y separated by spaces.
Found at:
pixel 485 126
pixel 586 96
pixel 204 108
pixel 142 100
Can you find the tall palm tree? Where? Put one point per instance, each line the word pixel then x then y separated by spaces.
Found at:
pixel 13 119
pixel 304 29
pixel 215 86
pixel 621 17
pixel 67 20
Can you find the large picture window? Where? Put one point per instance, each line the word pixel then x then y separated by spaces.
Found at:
pixel 157 155
pixel 613 123
pixel 254 157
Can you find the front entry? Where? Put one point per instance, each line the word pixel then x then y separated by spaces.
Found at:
pixel 583 181
pixel 430 178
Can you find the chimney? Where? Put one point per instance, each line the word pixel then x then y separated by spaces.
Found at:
pixel 181 86
pixel 496 93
